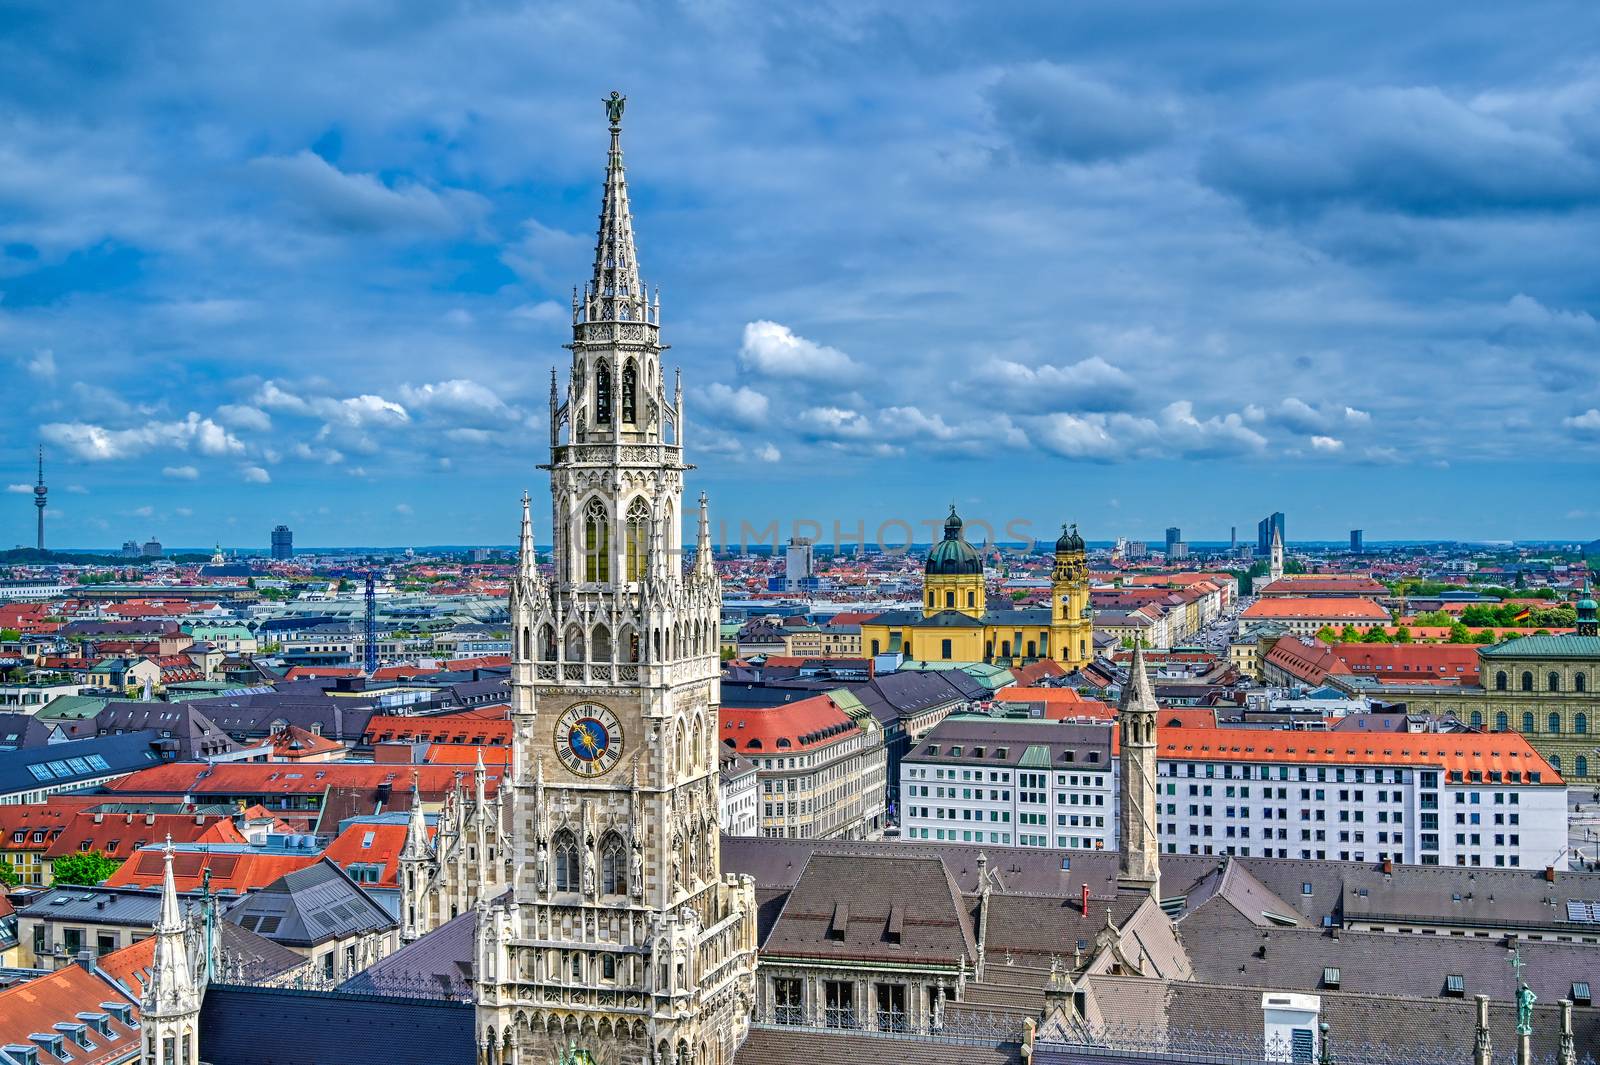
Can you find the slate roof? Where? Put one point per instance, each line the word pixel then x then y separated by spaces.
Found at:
pixel 310 906
pixel 443 957
pixel 22 730
pixel 775 1045
pixel 896 909
pixel 76 760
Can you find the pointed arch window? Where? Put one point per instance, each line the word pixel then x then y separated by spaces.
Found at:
pixel 614 867
pixel 566 862
pixel 630 391
pixel 637 533
pixel 596 542
pixel 602 395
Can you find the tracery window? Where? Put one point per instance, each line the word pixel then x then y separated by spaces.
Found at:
pixel 596 542
pixel 637 533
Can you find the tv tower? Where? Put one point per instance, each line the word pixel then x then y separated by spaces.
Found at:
pixel 39 493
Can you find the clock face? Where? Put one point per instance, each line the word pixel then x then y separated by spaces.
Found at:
pixel 588 740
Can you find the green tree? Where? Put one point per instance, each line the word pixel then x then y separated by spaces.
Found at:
pixel 1484 636
pixel 1440 618
pixel 1377 634
pixel 8 875
pixel 1327 635
pixel 10 635
pixel 1349 634
pixel 83 867
pixel 1459 634
pixel 1402 634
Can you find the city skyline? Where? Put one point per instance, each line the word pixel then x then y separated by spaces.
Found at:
pixel 1127 287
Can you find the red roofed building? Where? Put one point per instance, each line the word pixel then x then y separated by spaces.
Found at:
pixel 293 788
pixel 1292 660
pixel 295 744
pixel 1362 797
pixel 474 727
pixel 1306 615
pixel 1057 704
pixel 1316 585
pixel 233 869
pixel 119 835
pixel 369 851
pixel 836 790
pixel 27 831
pixel 78 1015
pixel 1411 662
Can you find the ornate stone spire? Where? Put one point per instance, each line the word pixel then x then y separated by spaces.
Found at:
pixel 615 292
pixel 527 560
pixel 1139 853
pixel 172 980
pixel 702 547
pixel 416 845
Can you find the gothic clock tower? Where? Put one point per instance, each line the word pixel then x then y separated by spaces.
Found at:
pixel 621 941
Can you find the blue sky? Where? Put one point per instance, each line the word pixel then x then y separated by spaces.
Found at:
pixel 1126 264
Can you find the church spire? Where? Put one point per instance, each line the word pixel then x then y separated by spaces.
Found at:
pixel 615 292
pixel 702 546
pixel 416 845
pixel 1139 857
pixel 172 982
pixel 527 560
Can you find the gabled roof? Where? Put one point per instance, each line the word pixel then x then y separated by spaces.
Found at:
pixel 235 869
pixel 119 835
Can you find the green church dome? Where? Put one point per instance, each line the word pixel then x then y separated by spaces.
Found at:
pixel 953 555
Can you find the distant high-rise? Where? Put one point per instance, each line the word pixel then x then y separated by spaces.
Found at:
pixel 39 493
pixel 130 549
pixel 1355 541
pixel 1233 538
pixel 282 543
pixel 1174 536
pixel 151 548
pixel 1264 529
pixel 799 564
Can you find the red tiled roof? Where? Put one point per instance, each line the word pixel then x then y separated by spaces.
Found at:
pixel 267 778
pixel 39 1005
pixel 1307 662
pixel 234 870
pixel 370 844
pixel 1464 751
pixel 130 965
pixel 118 835
pixel 1059 703
pixel 295 742
pixel 1411 661
pixel 797 726
pixel 444 728
pixel 467 754
pixel 39 822
pixel 1330 609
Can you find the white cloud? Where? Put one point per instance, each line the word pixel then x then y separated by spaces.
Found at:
pixel 1091 384
pixel 273 397
pixel 1175 432
pixel 43 364
pixel 1585 424
pixel 180 473
pixel 1298 416
pixel 359 411
pixel 255 475
pixel 244 417
pixel 363 203
pixel 737 406
pixel 96 443
pixel 773 350
pixel 20 489
pixel 549 312
pixel 403 508
pixel 327 455
pixel 1327 444
pixel 457 399
pixel 837 423
pixel 768 453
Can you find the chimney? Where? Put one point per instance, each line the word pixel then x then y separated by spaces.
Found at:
pixel 1388 866
pixel 85 961
pixel 1550 874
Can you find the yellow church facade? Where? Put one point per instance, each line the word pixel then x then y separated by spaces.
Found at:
pixel 956 624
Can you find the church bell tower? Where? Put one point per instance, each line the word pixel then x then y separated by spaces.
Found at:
pixel 621 939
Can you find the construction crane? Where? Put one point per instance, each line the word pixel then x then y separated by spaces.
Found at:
pixel 370 650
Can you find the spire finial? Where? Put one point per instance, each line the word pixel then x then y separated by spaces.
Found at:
pixel 614 105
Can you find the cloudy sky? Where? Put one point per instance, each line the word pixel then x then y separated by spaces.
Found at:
pixel 1132 264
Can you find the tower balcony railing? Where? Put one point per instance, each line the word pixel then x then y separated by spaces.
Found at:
pixel 618 672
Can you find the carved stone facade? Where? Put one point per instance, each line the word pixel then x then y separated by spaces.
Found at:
pixel 620 939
